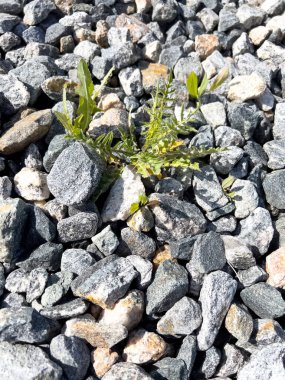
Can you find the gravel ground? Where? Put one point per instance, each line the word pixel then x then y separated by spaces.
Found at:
pixel 189 289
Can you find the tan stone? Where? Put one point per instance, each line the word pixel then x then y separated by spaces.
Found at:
pixel 143 5
pixel 128 311
pixel 110 101
pixel 152 73
pixel 83 34
pixel 144 347
pixel 259 35
pixel 239 323
pixel 275 267
pixel 26 131
pixel 64 5
pixel 102 360
pixel 161 255
pixel 205 44
pixel 31 184
pixel 141 220
pixel 111 120
pixel 102 33
pixel 246 87
pixel 98 335
pixel 136 27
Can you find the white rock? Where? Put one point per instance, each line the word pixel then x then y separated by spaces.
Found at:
pixel 123 194
pixel 214 113
pixel 31 184
pixel 246 87
pixel 259 34
pixel 272 7
pixel 86 49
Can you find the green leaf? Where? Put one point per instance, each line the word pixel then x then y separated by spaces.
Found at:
pixel 220 78
pixel 192 85
pixel 203 85
pixel 227 182
pixel 143 199
pixel 64 120
pixel 231 194
pixel 134 207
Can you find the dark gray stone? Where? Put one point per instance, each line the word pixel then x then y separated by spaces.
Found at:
pixel 279 119
pixel 106 241
pixel 169 186
pixel 55 32
pixel 56 146
pixel 144 268
pixel 210 362
pixel 36 284
pixel 169 368
pixel 36 11
pixel 243 117
pixel 77 227
pixel 224 224
pixel 169 285
pixel 275 151
pixel 164 10
pixel 100 66
pixel 182 249
pixel 264 300
pixel 106 281
pixel 238 254
pixel 72 354
pixel 175 219
pixel 187 352
pixel 252 275
pixel 46 256
pixel 33 34
pixel 227 20
pixel 26 362
pixel 14 94
pixel 12 7
pixel 121 56
pixel 7 22
pixel 25 325
pixel 76 260
pixel 138 243
pixel 224 162
pixel 232 361
pixel 125 371
pixel 75 165
pixel 13 300
pixel 226 136
pixel 170 55
pixel 273 186
pixel 208 253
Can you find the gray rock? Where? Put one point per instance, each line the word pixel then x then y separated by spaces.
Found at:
pixel 187 352
pixel 169 285
pixel 222 211
pixel 170 55
pixel 27 362
pixel 17 281
pixel 265 332
pixel 33 34
pixel 242 45
pixel 271 53
pixel 121 56
pixel 227 20
pixel 138 243
pixel 76 260
pixel 241 168
pixel 36 284
pixel 239 322
pixel 275 151
pixel 12 221
pixel 52 295
pixel 197 279
pixel 105 282
pixel 238 254
pixel 208 253
pixel 216 296
pixel 9 40
pixel 251 276
pixel 126 371
pixel 106 241
pixel 12 7
pixel 204 138
pixel 175 219
pixel 72 354
pixel 100 66
pixel 36 11
pixel 208 192
pixel 77 20
pixel 225 224
pixel 232 360
pixel 66 310
pixel 182 319
pixel 209 19
pixel 87 50
pixel 169 368
pixel 64 181
pixel 214 113
pixel 2 279
pixel 131 81
pixel 224 162
pixel 164 11
pixel 169 186
pixel 183 248
pixel 243 117
pixel 246 198
pixel 14 94
pixel 13 300
pixel 25 325
pixel 256 154
pixel 226 136
pixel 7 22
pixel 248 63
pixel 272 7
pixel 280 228
pixel 256 230
pixel 249 16
pixel 144 268
pixel 279 119
pixel 54 33
pixel 77 227
pixel 32 74
pixel 33 158
pixel 46 256
pixel 266 364
pixel 125 191
pixel 210 362
pixel 55 209
pixel 273 184
pixel 186 65
pixel 56 146
pixel 264 300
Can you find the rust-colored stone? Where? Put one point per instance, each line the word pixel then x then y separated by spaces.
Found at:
pixel 275 267
pixel 205 44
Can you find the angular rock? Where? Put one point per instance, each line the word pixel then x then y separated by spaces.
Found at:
pixel 272 185
pixel 72 354
pixel 105 282
pixel 142 220
pixel 246 87
pixel 210 362
pixel 76 260
pixel 251 276
pixel 279 119
pixel 36 11
pixel 36 284
pixel 102 360
pixel 238 254
pixel 31 184
pixel 126 371
pixel 25 325
pixel 182 319
pixel 17 281
pixel 244 118
pixel 249 16
pixel 8 22
pixel 205 44
pixel 131 81
pixel 216 296
pixel 232 361
pixel 69 309
pixel 239 322
pixel 77 227
pixel 144 268
pixel 187 352
pixel 224 162
pixel 124 192
pixel 275 151
pixel 264 300
pixel 137 243
pixel 26 362
pixel 169 368
pixel 275 267
pixel 151 74
pixel 143 347
pixel 246 198
pixel 256 230
pixel 169 285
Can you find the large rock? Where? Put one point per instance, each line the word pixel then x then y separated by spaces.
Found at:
pixel 105 282
pixel 13 215
pixel 216 295
pixel 36 11
pixel 246 87
pixel 175 219
pixel 77 227
pixel 123 194
pixel 14 94
pixel 75 174
pixel 25 325
pixel 273 186
pixel 26 362
pixel 266 364
pixel 26 131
